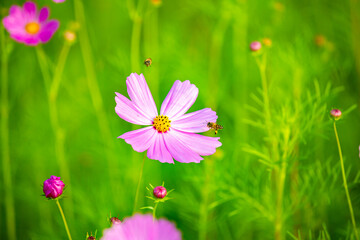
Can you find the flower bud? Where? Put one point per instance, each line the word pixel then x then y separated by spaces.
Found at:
pixel 255 46
pixel 115 220
pixel 53 187
pixel 267 42
pixel 91 238
pixel 70 36
pixel 160 192
pixel 156 2
pixel 336 114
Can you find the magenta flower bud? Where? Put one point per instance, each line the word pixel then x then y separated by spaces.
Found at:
pixel 160 192
pixel 115 220
pixel 255 46
pixel 336 114
pixel 91 238
pixel 53 187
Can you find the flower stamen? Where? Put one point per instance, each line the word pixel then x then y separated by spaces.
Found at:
pixel 161 123
pixel 32 28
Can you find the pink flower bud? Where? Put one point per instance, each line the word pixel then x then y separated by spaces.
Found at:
pixel 336 114
pixel 255 46
pixel 53 187
pixel 160 192
pixel 115 220
pixel 59 1
pixel 91 238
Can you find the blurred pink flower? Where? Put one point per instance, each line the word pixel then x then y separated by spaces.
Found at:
pixel 59 1
pixel 142 227
pixel 53 187
pixel 28 25
pixel 172 134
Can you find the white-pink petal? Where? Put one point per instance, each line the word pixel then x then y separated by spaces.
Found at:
pixel 178 150
pixel 180 98
pixel 202 145
pixel 159 151
pixel 140 95
pixel 128 111
pixel 140 139
pixel 195 122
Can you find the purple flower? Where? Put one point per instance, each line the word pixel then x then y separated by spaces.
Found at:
pixel 172 134
pixel 59 1
pixel 53 187
pixel 255 46
pixel 159 192
pixel 28 25
pixel 336 114
pixel 142 227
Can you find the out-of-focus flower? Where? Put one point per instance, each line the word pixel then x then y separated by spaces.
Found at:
pixel 172 134
pixel 255 46
pixel 28 25
pixel 91 238
pixel 70 36
pixel 336 114
pixel 156 2
pixel 278 6
pixel 142 227
pixel 53 187
pixel 59 1
pixel 159 192
pixel 115 220
pixel 267 42
pixel 320 40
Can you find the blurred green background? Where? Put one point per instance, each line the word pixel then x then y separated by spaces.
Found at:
pixel 278 129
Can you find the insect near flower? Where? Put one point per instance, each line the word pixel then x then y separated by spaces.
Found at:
pixel 213 125
pixel 173 132
pixel 148 62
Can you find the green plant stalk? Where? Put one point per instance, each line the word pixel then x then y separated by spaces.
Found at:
pixel 154 211
pixel 95 93
pixel 139 183
pixel 135 38
pixel 64 219
pixel 6 166
pixel 345 183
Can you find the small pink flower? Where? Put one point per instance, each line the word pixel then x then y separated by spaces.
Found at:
pixel 255 46
pixel 28 25
pixel 159 192
pixel 172 134
pixel 142 227
pixel 59 1
pixel 53 187
pixel 336 114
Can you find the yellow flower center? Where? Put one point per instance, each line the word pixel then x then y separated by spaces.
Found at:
pixel 161 123
pixel 32 28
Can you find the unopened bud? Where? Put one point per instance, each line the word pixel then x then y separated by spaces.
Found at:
pixel 70 36
pixel 160 192
pixel 336 114
pixel 53 187
pixel 255 46
pixel 115 220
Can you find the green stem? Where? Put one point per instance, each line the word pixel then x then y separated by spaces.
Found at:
pixel 63 218
pixel 6 166
pixel 135 38
pixel 138 185
pixel 345 183
pixel 154 211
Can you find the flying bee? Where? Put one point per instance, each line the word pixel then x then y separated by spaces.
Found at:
pixel 148 62
pixel 215 126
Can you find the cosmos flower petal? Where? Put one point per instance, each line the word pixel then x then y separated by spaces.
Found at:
pixel 202 145
pixel 30 9
pixel 140 94
pixel 195 122
pixel 49 30
pixel 44 14
pixel 141 227
pixel 128 111
pixel 140 139
pixel 32 41
pixel 158 150
pixel 179 151
pixel 180 98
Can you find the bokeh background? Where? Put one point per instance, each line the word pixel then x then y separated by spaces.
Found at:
pixel 277 174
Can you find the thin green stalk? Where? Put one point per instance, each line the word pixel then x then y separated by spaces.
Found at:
pixel 139 182
pixel 154 211
pixel 135 38
pixel 345 183
pixel 63 218
pixel 95 93
pixel 6 166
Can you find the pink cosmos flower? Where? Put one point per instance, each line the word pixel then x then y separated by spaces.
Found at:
pixel 142 227
pixel 53 187
pixel 28 25
pixel 172 134
pixel 58 1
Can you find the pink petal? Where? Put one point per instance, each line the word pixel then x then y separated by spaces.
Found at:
pixel 15 11
pixel 195 122
pixel 202 145
pixel 158 150
pixel 128 111
pixel 44 14
pixel 179 151
pixel 30 10
pixel 140 94
pixel 32 40
pixel 140 139
pixel 48 30
pixel 180 98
